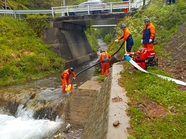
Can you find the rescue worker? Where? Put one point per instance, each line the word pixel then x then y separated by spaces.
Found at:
pixel 105 63
pixel 148 34
pixel 126 36
pixel 65 78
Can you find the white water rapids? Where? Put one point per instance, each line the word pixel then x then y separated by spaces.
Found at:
pixel 25 127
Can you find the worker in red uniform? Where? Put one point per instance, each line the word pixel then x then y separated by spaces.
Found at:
pixel 126 36
pixel 148 34
pixel 105 63
pixel 65 78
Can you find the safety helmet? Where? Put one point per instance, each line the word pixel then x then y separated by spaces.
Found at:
pixel 146 20
pixel 123 26
pixel 102 50
pixel 71 69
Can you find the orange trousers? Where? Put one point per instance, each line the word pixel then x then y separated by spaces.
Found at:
pixel 149 46
pixel 105 68
pixel 64 83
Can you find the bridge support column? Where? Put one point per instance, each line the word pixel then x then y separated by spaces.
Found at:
pixel 68 41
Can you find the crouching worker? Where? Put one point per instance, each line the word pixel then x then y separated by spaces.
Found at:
pixel 105 62
pixel 65 79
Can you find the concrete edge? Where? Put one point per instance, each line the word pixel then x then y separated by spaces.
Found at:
pixel 117 107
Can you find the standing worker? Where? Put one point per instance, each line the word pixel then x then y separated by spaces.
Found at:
pixel 148 34
pixel 105 63
pixel 65 79
pixel 126 36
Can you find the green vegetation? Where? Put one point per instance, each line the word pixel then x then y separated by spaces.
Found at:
pixel 30 4
pixel 91 36
pixel 146 90
pixel 142 88
pixel 23 55
pixel 166 19
pixel 38 23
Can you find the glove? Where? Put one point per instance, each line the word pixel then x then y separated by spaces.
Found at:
pixel 142 41
pixel 116 40
pixel 74 78
pixel 150 40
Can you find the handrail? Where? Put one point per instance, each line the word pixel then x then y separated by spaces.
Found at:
pixel 21 12
pixel 74 8
pixel 62 10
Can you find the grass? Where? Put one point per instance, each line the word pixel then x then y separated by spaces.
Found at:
pixel 23 55
pixel 141 86
pixel 166 20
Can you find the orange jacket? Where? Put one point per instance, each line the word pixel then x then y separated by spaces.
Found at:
pixel 104 57
pixel 125 35
pixel 66 74
pixel 148 33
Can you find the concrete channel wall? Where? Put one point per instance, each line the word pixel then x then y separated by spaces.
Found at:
pixel 109 107
pixel 70 44
pixel 96 106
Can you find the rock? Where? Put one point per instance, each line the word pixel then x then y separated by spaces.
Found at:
pixel 116 99
pixel 116 123
pixel 57 136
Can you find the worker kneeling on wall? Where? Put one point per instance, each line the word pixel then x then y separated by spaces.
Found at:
pixel 65 80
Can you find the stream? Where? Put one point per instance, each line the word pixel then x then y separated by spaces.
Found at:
pixel 23 125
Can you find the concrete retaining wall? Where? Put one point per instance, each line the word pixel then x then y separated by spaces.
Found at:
pixel 99 109
pixel 109 106
pixel 96 124
pixel 69 44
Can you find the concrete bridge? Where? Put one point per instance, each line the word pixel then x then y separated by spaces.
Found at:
pixel 88 20
pixel 67 37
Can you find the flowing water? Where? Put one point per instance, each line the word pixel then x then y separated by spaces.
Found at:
pixel 23 125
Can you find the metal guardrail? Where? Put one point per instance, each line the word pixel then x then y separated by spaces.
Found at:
pixel 21 12
pixel 110 7
pixel 62 10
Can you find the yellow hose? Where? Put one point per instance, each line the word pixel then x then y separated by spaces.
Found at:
pixel 125 47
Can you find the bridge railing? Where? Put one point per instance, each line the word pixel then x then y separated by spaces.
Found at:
pixel 22 12
pixel 110 7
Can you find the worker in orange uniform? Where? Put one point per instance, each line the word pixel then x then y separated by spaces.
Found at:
pixel 65 78
pixel 148 34
pixel 105 62
pixel 126 36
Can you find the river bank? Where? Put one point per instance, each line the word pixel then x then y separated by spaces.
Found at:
pixel 42 96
